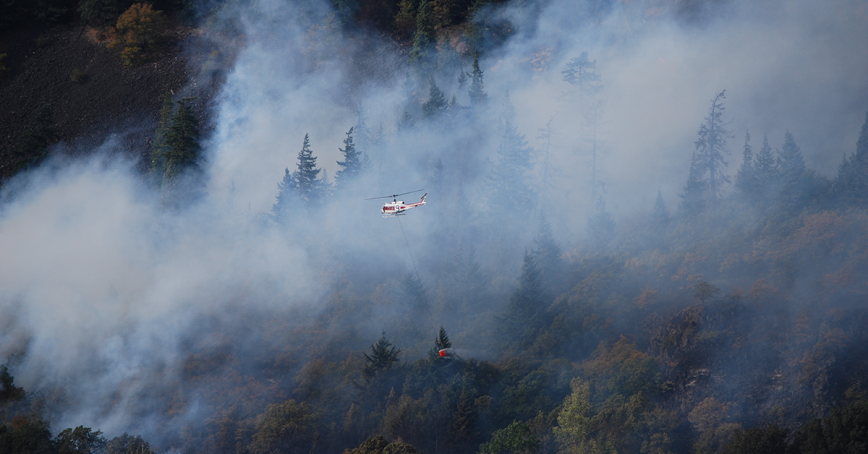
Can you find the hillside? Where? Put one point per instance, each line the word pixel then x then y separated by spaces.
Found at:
pixel 108 98
pixel 635 238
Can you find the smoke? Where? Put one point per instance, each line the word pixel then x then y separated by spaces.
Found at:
pixel 103 292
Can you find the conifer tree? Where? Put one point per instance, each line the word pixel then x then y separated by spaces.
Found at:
pixel 159 148
pixel 378 139
pixel 436 103
pixel 746 179
pixel 440 342
pixel 851 184
pixel 766 166
pixel 425 36
pixel 509 179
pixel 711 147
pixel 406 122
pixel 478 97
pixel 34 141
pixel 361 133
pixel 353 164
pixel 462 79
pixel 523 316
pixel 183 179
pixel 791 171
pixel 405 20
pixel 660 215
pixel 581 72
pixel 547 254
pixel 183 151
pixel 382 358
pixel 693 195
pixel 306 181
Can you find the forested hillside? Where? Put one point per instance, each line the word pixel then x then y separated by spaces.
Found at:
pixel 637 237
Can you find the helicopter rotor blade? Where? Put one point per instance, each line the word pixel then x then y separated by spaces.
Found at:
pixel 418 190
pixel 394 195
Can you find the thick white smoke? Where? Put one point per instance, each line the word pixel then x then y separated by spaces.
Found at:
pixel 99 285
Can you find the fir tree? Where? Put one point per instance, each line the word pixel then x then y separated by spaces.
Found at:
pixel 405 20
pixel 711 147
pixel 547 254
pixel 306 181
pixel 660 215
pixel 766 166
pixel 183 151
pixel 440 342
pixel 361 133
pixel 378 139
pixel 436 103
pixel 34 141
pixel 581 73
pixel 462 79
pixel 478 97
pixel 182 181
pixel 693 195
pixel 159 148
pixel 791 171
pixel 509 182
pixel 353 164
pixel 524 310
pixel 287 198
pixel 746 179
pixel 851 184
pixel 406 122
pixel 382 358
pixel 425 36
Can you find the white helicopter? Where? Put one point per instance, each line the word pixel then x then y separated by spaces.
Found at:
pixel 398 207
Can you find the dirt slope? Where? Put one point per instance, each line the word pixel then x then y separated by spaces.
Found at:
pixel 111 98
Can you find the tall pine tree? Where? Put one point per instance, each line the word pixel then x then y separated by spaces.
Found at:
pixel 525 309
pixel 159 146
pixel 791 171
pixel 581 72
pixel 711 148
pixel 183 181
pixel 746 179
pixel 425 37
pixel 183 151
pixel 766 165
pixel 478 97
pixel 547 254
pixel 509 179
pixel 659 214
pixel 436 104
pixel 353 164
pixel 309 186
pixel 440 342
pixel 693 195
pixel 287 198
pixel 851 184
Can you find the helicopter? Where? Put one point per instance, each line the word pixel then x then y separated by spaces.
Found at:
pixel 398 207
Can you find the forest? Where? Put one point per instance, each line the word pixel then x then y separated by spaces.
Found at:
pixel 636 238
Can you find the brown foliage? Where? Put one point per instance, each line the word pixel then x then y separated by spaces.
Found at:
pixel 139 30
